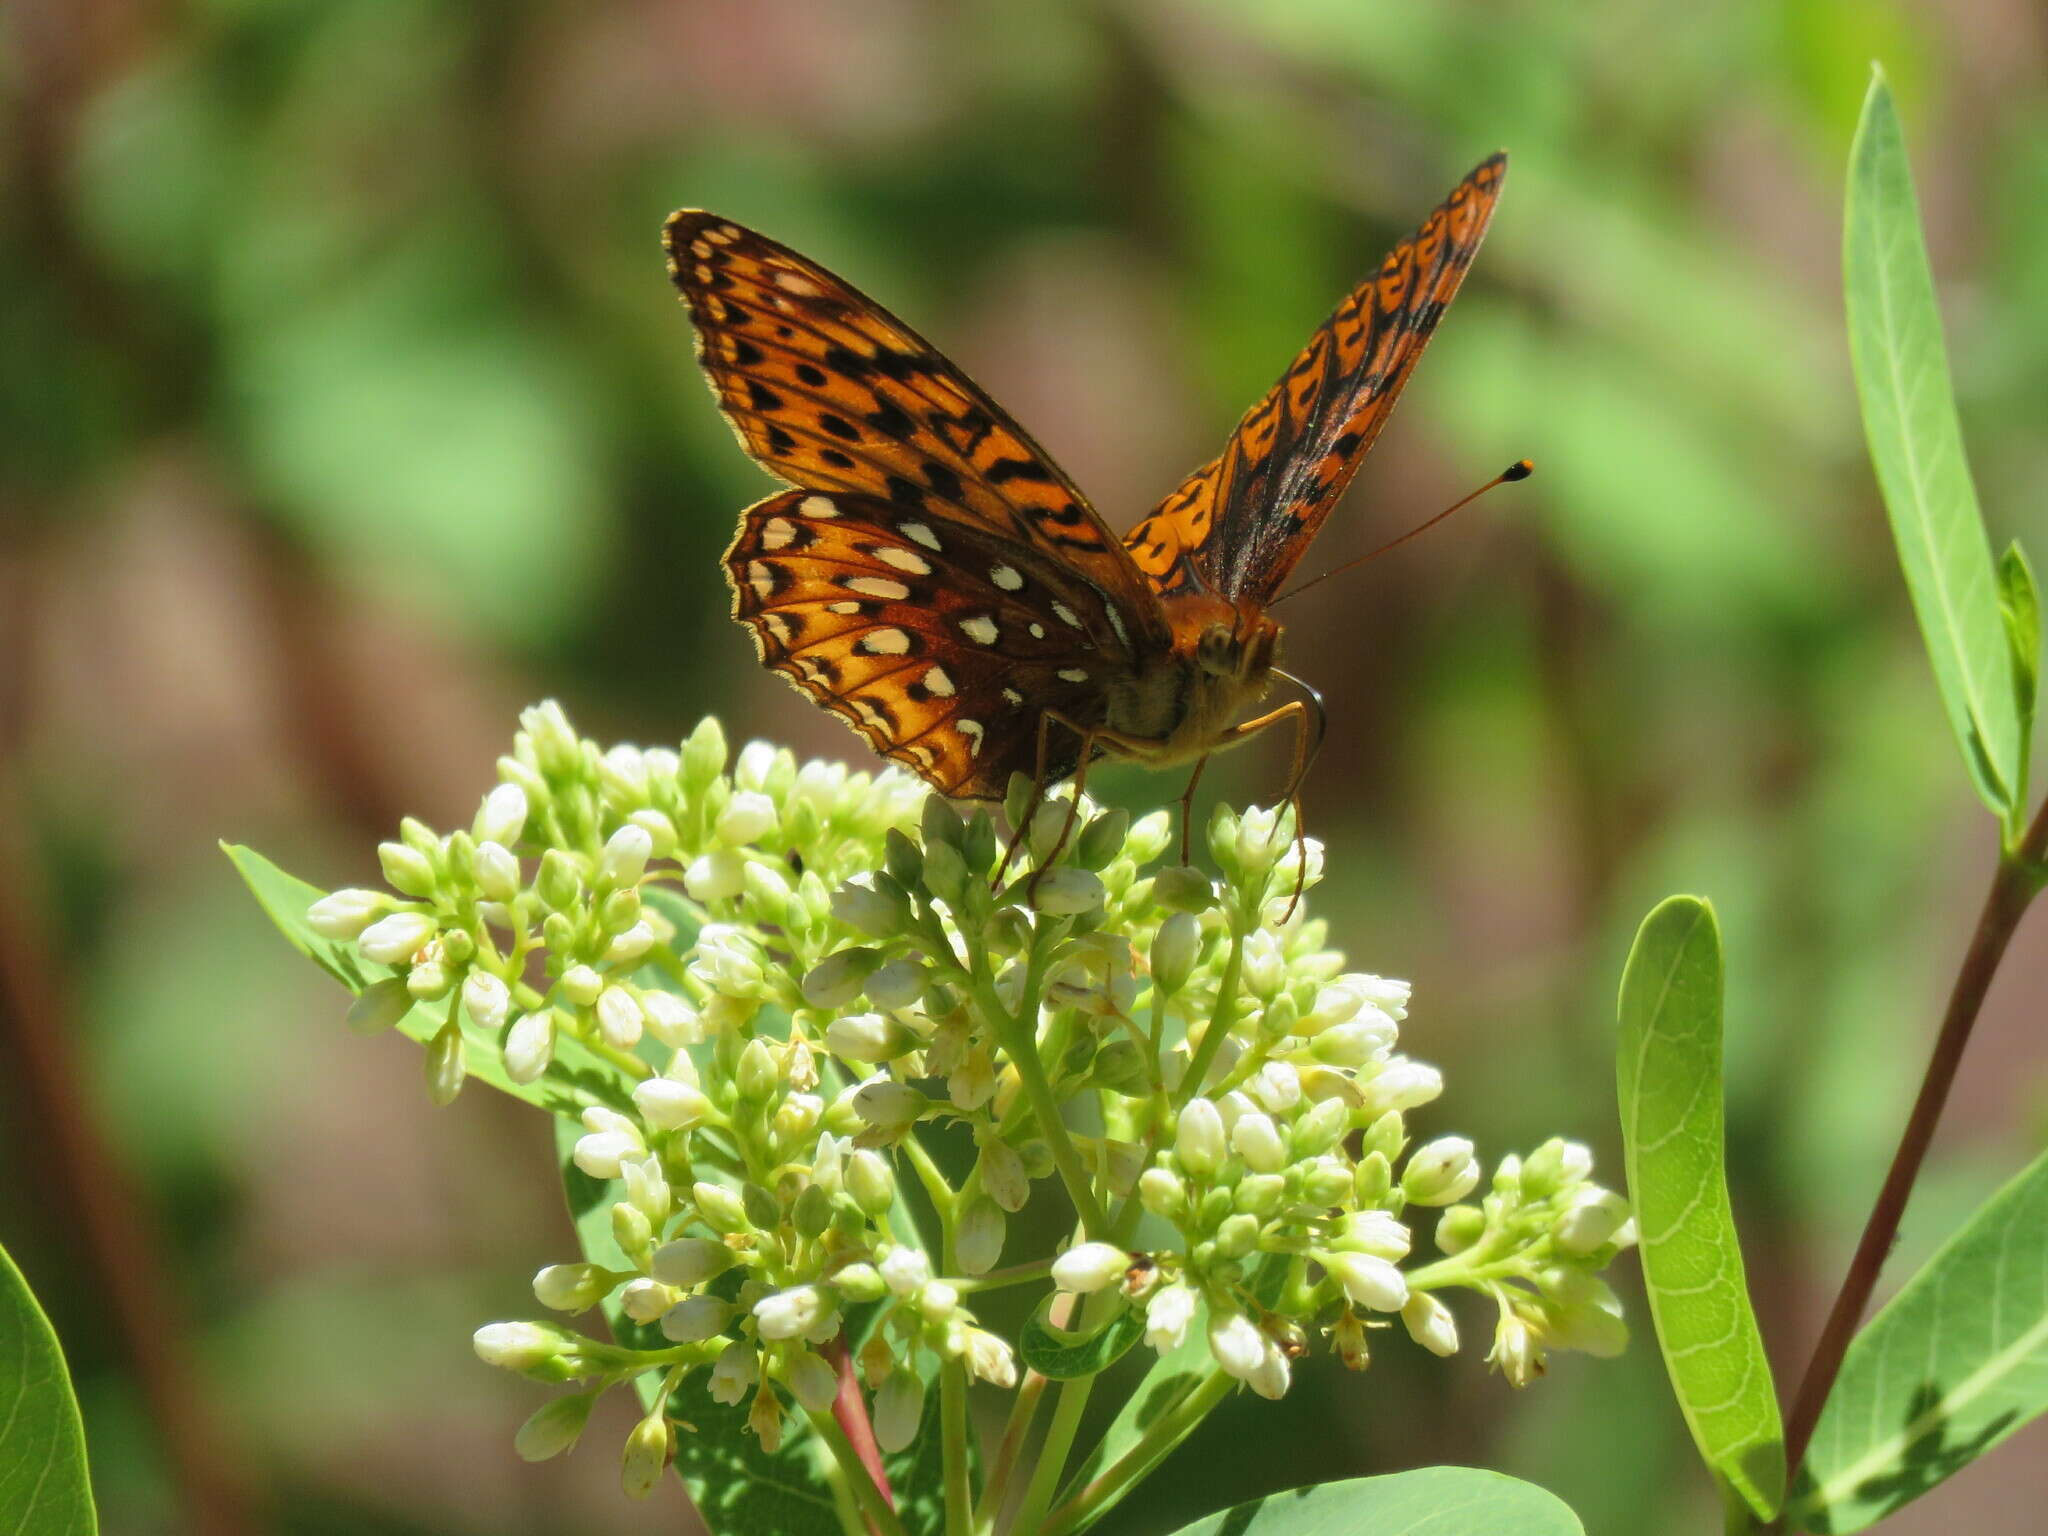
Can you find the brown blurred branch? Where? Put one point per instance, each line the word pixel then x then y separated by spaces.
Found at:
pixel 2013 888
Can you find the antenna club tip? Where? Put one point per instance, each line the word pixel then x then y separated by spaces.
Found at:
pixel 1521 469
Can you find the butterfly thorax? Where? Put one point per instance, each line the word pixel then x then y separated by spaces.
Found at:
pixel 1181 703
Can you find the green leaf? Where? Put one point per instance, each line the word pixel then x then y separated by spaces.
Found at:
pixel 1433 1501
pixel 1916 446
pixel 43 1484
pixel 2019 603
pixel 1955 1363
pixel 1668 1076
pixel 1061 1355
pixel 578 1078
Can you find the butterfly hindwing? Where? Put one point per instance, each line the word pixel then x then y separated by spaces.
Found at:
pixel 938 642
pixel 1238 525
pixel 834 394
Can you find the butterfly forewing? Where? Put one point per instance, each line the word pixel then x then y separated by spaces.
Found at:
pixel 833 393
pixel 1238 525
pixel 939 643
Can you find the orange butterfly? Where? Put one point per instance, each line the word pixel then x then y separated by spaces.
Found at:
pixel 941 585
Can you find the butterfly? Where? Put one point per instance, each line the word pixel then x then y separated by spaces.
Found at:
pixel 938 582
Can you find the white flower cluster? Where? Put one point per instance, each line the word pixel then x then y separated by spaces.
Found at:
pixel 800 969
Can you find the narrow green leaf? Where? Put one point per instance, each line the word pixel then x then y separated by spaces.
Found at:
pixel 1060 1355
pixel 1668 1076
pixel 1433 1501
pixel 1955 1363
pixel 43 1483
pixel 1916 447
pixel 2019 602
pixel 578 1078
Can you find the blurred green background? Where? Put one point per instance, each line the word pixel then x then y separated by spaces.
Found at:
pixel 344 408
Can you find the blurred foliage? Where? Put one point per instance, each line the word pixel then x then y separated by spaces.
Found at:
pixel 345 407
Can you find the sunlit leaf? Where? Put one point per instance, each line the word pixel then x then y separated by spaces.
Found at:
pixel 2019 603
pixel 1953 1365
pixel 1916 446
pixel 1433 1501
pixel 1668 1075
pixel 43 1484
pixel 1062 1355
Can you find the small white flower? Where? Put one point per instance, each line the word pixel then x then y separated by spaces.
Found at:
pixel 648 1452
pixel 937 1300
pixel 600 1153
pixel 1089 1267
pixel 625 856
pixel 1516 1353
pixel 696 1318
pixel 497 870
pixel 747 818
pixel 1276 1088
pixel 1068 892
pixel 811 1380
pixel 973 1083
pixel 1162 1193
pixel 1259 1143
pixel 899 1409
pixel 644 1300
pixel 716 876
pixel 1174 951
pixel 1271 1378
pixel 791 1313
pixel 502 816
pixel 619 1019
pixel 486 998
pixel 629 946
pixel 906 1270
pixel 530 1046
pixel 1368 1037
pixel 1167 1316
pixel 1403 1084
pixel 1595 1216
pixel 989 1358
pixel 1442 1172
pixel 886 1105
pixel 1237 1344
pixel 344 914
pixel 395 939
pixel 1368 1280
pixel 755 762
pixel 667 1105
pixel 736 1370
pixel 671 1019
pixel 897 985
pixel 979 1242
pixel 516 1346
pixel 1430 1324
pixel 570 1287
pixel 867 1037
pixel 647 1187
pixel 581 984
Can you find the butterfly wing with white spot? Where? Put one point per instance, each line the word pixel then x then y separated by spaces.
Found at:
pixel 939 643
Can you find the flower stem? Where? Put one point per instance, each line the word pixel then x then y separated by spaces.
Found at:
pixel 2015 885
pixel 1152 1447
pixel 850 1411
pixel 875 1510
pixel 1218 1027
pixel 953 1429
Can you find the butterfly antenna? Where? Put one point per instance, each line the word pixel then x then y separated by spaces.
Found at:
pixel 1521 469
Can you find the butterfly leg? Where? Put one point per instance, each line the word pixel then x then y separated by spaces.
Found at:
pixel 1187 810
pixel 1038 787
pixel 1088 740
pixel 1307 718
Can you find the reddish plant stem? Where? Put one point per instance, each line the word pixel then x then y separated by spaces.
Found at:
pixel 2012 889
pixel 851 1410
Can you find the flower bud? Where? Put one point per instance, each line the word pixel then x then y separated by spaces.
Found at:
pixel 532 1349
pixel 1515 1352
pixel 906 1270
pixel 1068 891
pixel 558 884
pixel 530 1046
pixel 898 984
pixel 1378 1233
pixel 1460 1227
pixel 446 1067
pixel 429 979
pixel 759 1074
pixel 1430 1324
pixel 581 984
pixel 344 914
pixel 1237 1344
pixel 898 1410
pixel 1321 1128
pixel 1591 1222
pixel 379 1006
pixel 1175 948
pixel 870 1183
pixel 979 1242
pixel 661 832
pixel 1368 1281
pixel 1089 1267
pixel 1354 1042
pixel 703 755
pixel 501 817
pixel 864 905
pixel 1441 1172
pixel 1403 1084
pixel 764 1419
pixel 1184 889
pixel 649 1450
pixel 571 1287
pixel 1004 1175
pixel 696 1318
pixel 1167 1316
pixel 747 818
pixel 1258 1142
pixel 1271 1378
pixel 723 1209
pixel 870 1037
pixel 407 869
pixel 619 1020
pixel 859 1283
pixel 716 876
pixel 644 1300
pixel 486 998
pixel 989 1358
pixel 1372 1179
pixel 888 1106
pixel 788 1314
pixel 395 939
pixel 1162 1193
pixel 554 1427
pixel 688 1262
pixel 1198 1142
pixel 1102 839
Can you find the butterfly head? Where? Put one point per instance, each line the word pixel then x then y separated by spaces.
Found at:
pixel 1235 643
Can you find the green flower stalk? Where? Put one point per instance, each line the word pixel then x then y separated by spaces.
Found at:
pixel 806 974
